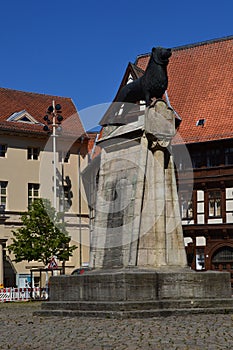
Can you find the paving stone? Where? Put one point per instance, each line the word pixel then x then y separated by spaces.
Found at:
pixel 20 330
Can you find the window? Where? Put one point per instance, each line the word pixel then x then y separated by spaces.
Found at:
pixel 66 195
pixel 213 157
pixel 186 206
pixel 228 155
pixel 23 117
pixel 223 255
pixel 66 199
pixel 33 153
pixel 3 149
pixel 214 203
pixel 200 122
pixel 198 159
pixel 3 186
pixel 210 157
pixel 33 193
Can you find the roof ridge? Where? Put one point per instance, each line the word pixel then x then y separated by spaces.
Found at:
pixel 137 70
pixel 187 46
pixel 205 42
pixel 33 93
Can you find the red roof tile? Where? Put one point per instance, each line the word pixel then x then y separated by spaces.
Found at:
pixel 201 87
pixel 35 104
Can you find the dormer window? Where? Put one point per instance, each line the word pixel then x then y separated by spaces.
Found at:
pixel 23 117
pixel 200 122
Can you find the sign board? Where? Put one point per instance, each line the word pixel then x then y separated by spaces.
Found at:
pixel 53 264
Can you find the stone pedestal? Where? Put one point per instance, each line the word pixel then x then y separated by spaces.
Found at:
pixel 138 293
pixel 137 220
pixel 137 251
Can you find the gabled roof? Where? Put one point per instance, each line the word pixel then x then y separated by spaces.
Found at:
pixel 13 103
pixel 201 87
pixel 131 70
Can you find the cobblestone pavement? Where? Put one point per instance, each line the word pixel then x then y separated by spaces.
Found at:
pixel 20 330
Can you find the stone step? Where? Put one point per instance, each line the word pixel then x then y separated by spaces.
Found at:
pixel 133 313
pixel 136 305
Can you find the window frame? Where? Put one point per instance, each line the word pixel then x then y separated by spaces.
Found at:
pixel 228 155
pixel 215 199
pixel 213 157
pixel 3 194
pixel 189 210
pixel 198 159
pixel 33 153
pixel 32 197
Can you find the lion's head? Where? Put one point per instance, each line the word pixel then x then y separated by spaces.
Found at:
pixel 161 55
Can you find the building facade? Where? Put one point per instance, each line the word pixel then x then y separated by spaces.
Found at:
pixel 27 166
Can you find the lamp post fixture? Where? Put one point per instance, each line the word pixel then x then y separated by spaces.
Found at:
pixel 54 118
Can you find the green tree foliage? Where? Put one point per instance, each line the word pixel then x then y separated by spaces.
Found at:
pixel 41 236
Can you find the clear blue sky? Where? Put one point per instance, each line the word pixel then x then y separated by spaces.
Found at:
pixel 80 49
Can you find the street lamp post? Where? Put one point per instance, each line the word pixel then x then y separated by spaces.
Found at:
pixel 54 161
pixel 54 113
pixel 53 118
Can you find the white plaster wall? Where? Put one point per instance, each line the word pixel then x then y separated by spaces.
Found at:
pixel 200 195
pixel 229 193
pixel 200 207
pixel 200 241
pixel 215 221
pixel 229 205
pixel 188 222
pixel 200 219
pixel 187 240
pixel 229 218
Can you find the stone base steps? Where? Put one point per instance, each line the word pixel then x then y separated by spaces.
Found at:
pixel 134 309
pixel 133 314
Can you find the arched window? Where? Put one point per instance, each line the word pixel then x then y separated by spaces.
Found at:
pixel 222 260
pixel 224 254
